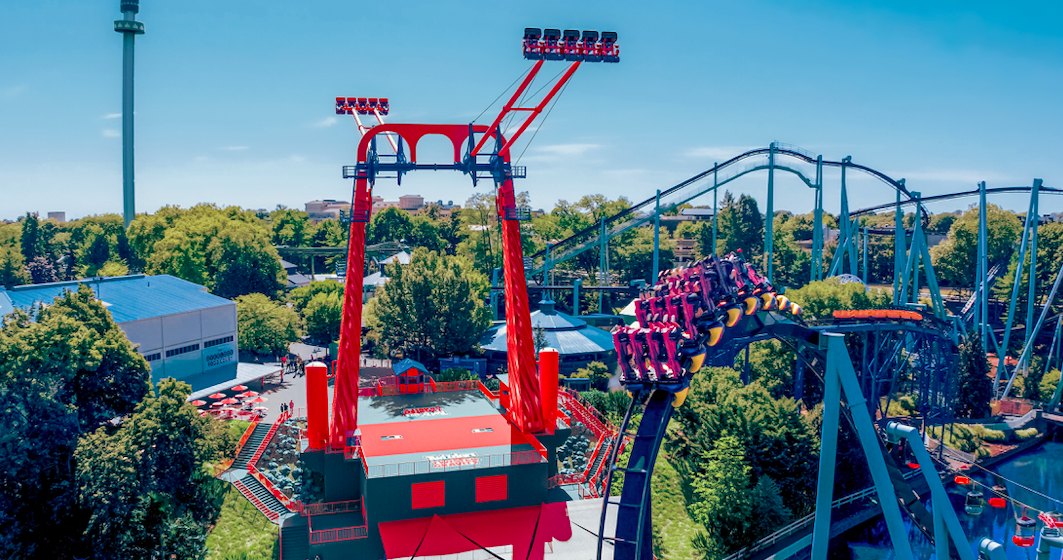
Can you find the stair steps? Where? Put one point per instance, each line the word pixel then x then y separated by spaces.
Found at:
pixel 295 543
pixel 262 499
pixel 251 446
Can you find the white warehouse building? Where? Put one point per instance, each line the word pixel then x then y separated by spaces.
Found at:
pixel 181 329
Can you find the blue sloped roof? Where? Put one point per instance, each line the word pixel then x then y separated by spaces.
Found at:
pixel 128 298
pixel 408 364
pixel 565 333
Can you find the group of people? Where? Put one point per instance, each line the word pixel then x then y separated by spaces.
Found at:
pixel 293 363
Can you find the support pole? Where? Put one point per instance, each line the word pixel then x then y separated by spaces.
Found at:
pixel 770 217
pixel 981 312
pixel 1032 335
pixel 656 238
pixel 546 274
pixel 817 225
pixel 839 366
pixel 494 294
pixel 1035 215
pixel 865 254
pixel 576 285
pixel 603 265
pixel 715 191
pixel 899 244
pixel 837 264
pixel 129 28
pixel 828 452
pixel 1020 264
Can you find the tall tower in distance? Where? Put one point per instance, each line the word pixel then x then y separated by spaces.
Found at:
pixel 129 27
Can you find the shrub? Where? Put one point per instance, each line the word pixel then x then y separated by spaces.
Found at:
pixel 1026 434
pixel 983 452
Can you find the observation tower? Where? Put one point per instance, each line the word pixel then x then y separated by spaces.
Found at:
pixel 129 27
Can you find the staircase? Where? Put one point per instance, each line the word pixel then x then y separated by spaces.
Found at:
pixel 251 446
pixel 603 452
pixel 262 499
pixel 295 543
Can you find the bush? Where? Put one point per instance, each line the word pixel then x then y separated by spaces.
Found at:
pixel 983 452
pixel 987 434
pixel 1026 434
pixel 1048 384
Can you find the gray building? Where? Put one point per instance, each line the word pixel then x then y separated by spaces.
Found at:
pixel 182 330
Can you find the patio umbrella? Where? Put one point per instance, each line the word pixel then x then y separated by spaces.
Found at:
pixel 249 394
pixel 263 408
pixel 216 404
pixel 230 400
pixel 198 402
pixel 217 396
pixel 258 400
pixel 240 388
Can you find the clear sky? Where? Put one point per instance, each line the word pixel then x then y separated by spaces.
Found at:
pixel 235 99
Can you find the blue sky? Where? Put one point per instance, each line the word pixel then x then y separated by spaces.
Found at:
pixel 235 99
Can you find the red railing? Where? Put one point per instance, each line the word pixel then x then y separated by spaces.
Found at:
pixel 594 455
pixel 586 414
pixel 342 533
pixel 467 385
pixel 290 504
pixel 224 465
pixel 270 514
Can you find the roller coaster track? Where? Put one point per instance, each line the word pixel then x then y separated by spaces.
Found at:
pixel 719 175
pixel 898 340
pixel 951 196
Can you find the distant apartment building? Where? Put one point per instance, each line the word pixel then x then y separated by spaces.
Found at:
pixel 57 216
pixel 328 208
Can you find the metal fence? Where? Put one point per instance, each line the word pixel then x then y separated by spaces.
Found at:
pixel 448 463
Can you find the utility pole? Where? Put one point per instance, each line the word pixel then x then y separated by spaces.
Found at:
pixel 129 27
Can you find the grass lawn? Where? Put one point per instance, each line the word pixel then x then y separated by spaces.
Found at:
pixel 242 532
pixel 671 522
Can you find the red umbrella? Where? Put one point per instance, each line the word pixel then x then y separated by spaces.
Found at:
pixel 217 396
pixel 198 402
pixel 240 388
pixel 258 400
pixel 248 394
pixel 229 400
pixel 216 404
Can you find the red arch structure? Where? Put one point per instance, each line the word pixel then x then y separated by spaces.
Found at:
pixel 526 410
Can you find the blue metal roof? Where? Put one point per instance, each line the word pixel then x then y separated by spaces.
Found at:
pixel 128 298
pixel 408 364
pixel 565 333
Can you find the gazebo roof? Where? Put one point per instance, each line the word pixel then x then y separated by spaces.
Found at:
pixel 565 333
pixel 408 364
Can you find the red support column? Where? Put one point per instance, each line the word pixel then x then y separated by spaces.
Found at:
pixel 345 397
pixel 527 411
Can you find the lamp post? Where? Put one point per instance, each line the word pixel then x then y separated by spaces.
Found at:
pixel 129 27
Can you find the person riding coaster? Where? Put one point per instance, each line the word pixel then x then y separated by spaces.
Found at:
pixel 684 314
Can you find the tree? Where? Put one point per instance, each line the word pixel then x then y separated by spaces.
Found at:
pixel 634 254
pixel 301 296
pixel 245 262
pixel 597 372
pixel 954 259
pixel 41 270
pixel 290 227
pixel 740 225
pixel 264 326
pixel 390 224
pixel 820 299
pixel 323 316
pixel 145 483
pixel 540 339
pixel 84 372
pixel 733 509
pixel 31 245
pixel 975 385
pixel 456 374
pixel 432 307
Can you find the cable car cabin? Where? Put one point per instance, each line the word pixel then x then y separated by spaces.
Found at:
pixel 551 45
pixel 571 45
pixel 532 48
pixel 589 47
pixel 610 51
pixel 1025 531
pixel 974 504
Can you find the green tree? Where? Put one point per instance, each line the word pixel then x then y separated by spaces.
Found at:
pixel 41 270
pixel 634 254
pixel 301 296
pixel 290 227
pixel 455 374
pixel 954 258
pixel 733 509
pixel 975 385
pixel 820 299
pixel 264 326
pixel 390 224
pixel 432 307
pixel 84 372
pixel 245 262
pixel 145 484
pixel 597 372
pixel 740 225
pixel 323 316
pixel 31 243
